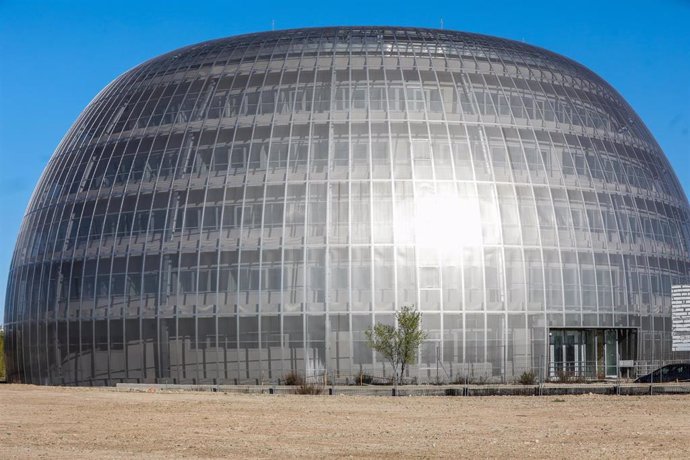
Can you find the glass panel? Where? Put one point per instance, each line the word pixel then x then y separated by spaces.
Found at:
pixel 251 207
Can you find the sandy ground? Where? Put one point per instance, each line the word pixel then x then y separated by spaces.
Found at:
pixel 50 422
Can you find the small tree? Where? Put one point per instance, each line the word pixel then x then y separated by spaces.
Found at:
pixel 398 344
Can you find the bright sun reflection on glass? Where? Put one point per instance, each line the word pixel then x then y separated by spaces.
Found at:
pixel 447 222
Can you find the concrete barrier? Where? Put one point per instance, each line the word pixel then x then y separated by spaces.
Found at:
pixel 550 389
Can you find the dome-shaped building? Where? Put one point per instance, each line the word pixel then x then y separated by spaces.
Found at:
pixel 239 209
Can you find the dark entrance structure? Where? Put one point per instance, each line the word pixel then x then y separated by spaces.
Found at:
pixel 591 353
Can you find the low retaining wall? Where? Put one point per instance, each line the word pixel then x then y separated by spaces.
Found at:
pixel 430 390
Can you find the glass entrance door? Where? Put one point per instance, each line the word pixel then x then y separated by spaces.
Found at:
pixel 589 353
pixel 611 352
pixel 568 352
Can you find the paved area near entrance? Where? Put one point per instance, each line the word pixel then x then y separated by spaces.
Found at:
pixel 53 422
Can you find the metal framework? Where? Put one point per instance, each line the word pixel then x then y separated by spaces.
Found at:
pixel 245 207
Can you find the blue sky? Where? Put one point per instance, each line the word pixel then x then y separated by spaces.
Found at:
pixel 56 55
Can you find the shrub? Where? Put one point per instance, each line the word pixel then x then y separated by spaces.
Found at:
pixel 293 378
pixel 470 380
pixel 459 380
pixel 579 379
pixel 478 380
pixel 563 376
pixel 570 377
pixel 308 389
pixel 363 379
pixel 527 378
pixel 438 381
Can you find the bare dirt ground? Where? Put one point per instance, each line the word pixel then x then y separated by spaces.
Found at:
pixel 51 422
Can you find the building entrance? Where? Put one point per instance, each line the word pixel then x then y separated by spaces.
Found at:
pixel 590 353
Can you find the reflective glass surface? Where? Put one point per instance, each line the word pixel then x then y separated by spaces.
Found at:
pixel 242 208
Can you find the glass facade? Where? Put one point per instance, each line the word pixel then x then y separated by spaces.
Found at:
pixel 242 208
